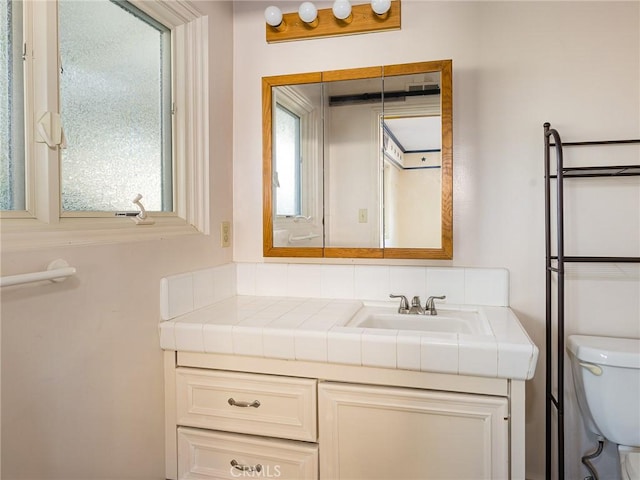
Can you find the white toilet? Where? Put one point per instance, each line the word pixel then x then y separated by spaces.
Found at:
pixel 606 374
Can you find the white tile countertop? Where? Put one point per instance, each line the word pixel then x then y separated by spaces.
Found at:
pixel 313 329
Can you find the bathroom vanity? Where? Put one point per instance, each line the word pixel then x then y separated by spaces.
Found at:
pixel 292 388
pixel 298 377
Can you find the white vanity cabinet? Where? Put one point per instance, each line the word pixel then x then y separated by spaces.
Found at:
pixel 236 416
pixel 371 432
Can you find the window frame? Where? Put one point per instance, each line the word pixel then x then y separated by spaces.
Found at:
pixel 42 223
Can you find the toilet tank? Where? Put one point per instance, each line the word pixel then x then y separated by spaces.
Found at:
pixel 606 372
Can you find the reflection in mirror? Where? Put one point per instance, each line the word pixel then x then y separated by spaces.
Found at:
pixel 411 143
pixel 353 193
pixel 297 165
pixel 358 163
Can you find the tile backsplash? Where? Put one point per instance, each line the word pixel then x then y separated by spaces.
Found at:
pixel 186 292
pixel 183 293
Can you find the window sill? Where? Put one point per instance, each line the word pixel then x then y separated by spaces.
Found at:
pixel 29 234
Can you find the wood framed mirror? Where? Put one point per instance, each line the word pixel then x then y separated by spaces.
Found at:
pixel 358 163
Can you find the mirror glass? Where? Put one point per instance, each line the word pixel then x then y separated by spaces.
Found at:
pixel 297 159
pixel 353 178
pixel 358 163
pixel 411 144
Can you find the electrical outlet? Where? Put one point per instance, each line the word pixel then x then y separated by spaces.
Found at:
pixel 363 215
pixel 225 234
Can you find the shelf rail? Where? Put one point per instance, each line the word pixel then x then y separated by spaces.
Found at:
pixel 57 271
pixel 557 400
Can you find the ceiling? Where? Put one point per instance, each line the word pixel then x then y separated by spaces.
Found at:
pixel 416 133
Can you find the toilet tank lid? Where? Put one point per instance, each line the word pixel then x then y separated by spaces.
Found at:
pixel 614 351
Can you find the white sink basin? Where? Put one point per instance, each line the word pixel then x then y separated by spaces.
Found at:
pixel 468 321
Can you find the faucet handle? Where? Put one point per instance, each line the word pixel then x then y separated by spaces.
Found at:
pixel 404 303
pixel 430 301
pixel 430 306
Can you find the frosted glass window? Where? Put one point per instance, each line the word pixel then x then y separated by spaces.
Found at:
pixel 287 162
pixel 116 107
pixel 12 179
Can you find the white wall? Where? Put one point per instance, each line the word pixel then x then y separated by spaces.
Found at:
pixel 515 66
pixel 82 380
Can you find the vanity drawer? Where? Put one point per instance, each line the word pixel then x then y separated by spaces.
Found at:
pixel 247 403
pixel 206 454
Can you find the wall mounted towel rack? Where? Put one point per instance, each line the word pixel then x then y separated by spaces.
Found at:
pixel 57 271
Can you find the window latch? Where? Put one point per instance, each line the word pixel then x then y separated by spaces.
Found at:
pixel 49 130
pixel 141 218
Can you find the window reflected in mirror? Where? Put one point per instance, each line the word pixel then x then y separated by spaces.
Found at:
pixel 286 154
pixel 297 165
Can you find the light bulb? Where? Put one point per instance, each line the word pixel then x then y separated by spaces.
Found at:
pixel 380 6
pixel 341 9
pixel 307 12
pixel 273 16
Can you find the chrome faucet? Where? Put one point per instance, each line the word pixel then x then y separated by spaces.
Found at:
pixel 404 303
pixel 430 306
pixel 416 308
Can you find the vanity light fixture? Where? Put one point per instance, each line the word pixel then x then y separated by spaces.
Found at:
pixel 273 17
pixel 308 13
pixel 380 7
pixel 342 19
pixel 342 10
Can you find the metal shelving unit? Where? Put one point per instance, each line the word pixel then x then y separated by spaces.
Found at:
pixel 555 265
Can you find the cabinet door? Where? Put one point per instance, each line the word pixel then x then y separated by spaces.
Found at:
pixel 204 454
pixel 399 433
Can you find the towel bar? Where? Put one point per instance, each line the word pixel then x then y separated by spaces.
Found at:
pixel 57 271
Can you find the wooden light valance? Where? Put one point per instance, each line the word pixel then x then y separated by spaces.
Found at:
pixel 363 20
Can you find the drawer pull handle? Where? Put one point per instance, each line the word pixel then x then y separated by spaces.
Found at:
pixel 233 403
pixel 246 468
